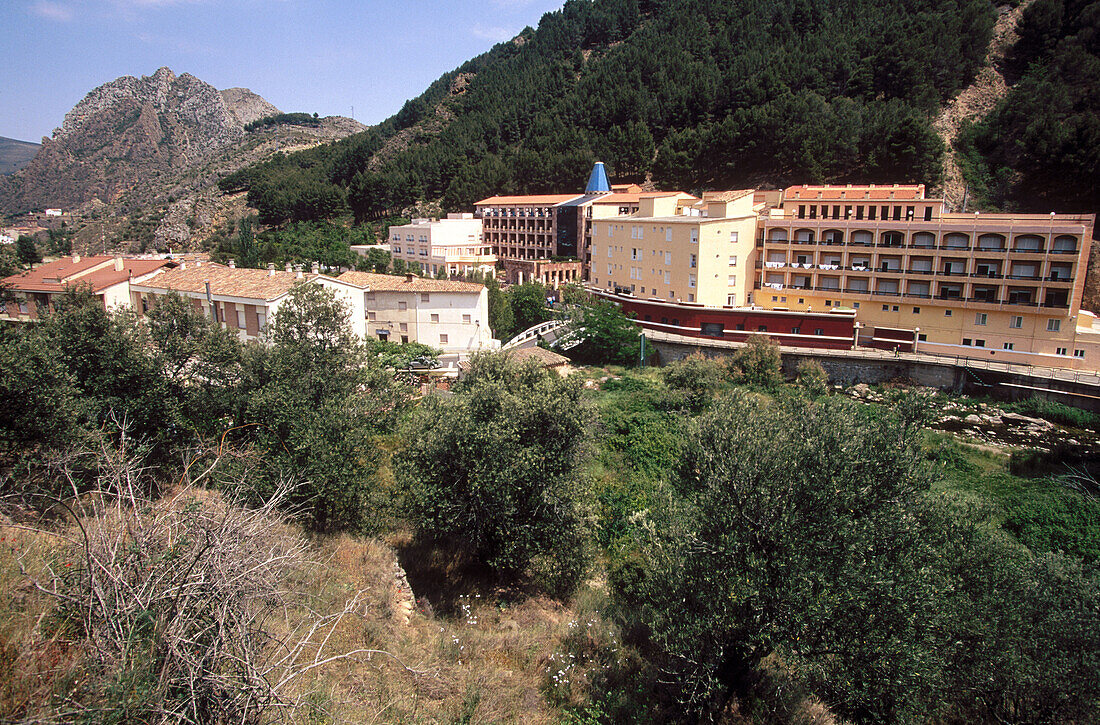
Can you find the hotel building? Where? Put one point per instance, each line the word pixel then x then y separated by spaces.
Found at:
pixel 1005 287
pixel 454 244
pixel 676 248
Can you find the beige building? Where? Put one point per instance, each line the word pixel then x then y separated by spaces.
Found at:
pixel 242 300
pixel 454 244
pixel 677 248
pixel 108 278
pixel 996 286
pixel 448 315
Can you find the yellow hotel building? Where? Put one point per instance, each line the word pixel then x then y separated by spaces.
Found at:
pixel 1005 287
pixel 678 248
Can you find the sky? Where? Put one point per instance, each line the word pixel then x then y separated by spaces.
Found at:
pixel 314 56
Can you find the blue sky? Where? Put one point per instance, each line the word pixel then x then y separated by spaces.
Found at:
pixel 322 56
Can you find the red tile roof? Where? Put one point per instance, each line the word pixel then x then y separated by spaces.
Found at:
pixel 732 195
pixel 407 283
pixel 98 272
pixel 257 284
pixel 537 200
pixel 870 191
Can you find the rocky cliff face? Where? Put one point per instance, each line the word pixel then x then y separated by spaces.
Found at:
pixel 129 133
pixel 246 106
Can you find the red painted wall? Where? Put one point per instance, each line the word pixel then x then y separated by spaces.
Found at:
pixel 787 328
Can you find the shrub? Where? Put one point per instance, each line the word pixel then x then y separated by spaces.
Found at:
pixel 758 363
pixel 812 377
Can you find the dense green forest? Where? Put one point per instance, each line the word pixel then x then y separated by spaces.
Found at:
pixel 1039 150
pixel 692 93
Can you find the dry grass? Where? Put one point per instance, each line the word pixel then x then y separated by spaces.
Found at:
pixel 494 659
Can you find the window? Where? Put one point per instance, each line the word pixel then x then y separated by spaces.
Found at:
pixel 609 251
pixel 979 343
pixel 240 319
pixel 895 308
pixel 886 308
pixel 466 319
pixel 732 279
pixel 609 269
pixel 692 262
pixel 922 337
pixel 668 234
pixel 405 339
pixel 762 328
pixel 404 327
pixel 796 330
pixel 819 331
pixel 261 320
pixel 1061 351
pixel 733 236
pixel 733 260
pixel 435 317
pixel 1078 353
pixel 966 341
pixel 713 329
pixel 694 236
pixel 667 277
pixel 1016 322
pixel 981 318
pixel 1054 325
pixel 372 316
pixel 634 253
pixel 916 310
pixel 442 339
pixel 947 313
pixel 691 280
pixel 1008 346
pixel 402 305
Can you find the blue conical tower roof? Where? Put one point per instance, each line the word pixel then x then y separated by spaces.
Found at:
pixel 597 182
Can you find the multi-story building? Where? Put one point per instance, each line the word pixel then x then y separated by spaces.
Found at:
pixel 675 248
pixel 454 244
pixel 998 286
pixel 530 235
pixel 448 315
pixel 242 300
pixel 109 279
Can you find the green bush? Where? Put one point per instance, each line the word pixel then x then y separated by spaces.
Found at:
pixel 758 363
pixel 812 377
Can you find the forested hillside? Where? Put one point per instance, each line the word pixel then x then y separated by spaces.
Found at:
pixel 687 93
pixel 1040 149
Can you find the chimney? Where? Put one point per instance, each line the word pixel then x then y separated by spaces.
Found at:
pixel 409 277
pixel 232 264
pixel 316 268
pixel 270 269
pixel 298 271
pixel 289 268
pixel 118 264
pixel 76 258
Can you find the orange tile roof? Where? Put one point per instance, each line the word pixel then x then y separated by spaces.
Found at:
pixel 870 191
pixel 395 283
pixel 98 272
pixel 625 188
pixel 532 200
pixel 548 358
pixel 257 284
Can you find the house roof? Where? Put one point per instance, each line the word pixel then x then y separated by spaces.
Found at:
pixel 543 199
pixel 732 195
pixel 549 358
pixel 632 197
pixel 407 283
pixel 98 272
pixel 869 191
pixel 258 284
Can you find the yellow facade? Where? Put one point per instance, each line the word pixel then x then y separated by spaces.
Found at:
pixel 1004 287
pixel 669 251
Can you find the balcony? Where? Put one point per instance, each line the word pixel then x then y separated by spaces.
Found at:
pixel 987 275
pixel 920 271
pixel 1024 276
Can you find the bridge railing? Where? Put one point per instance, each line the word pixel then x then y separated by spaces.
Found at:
pixel 532 333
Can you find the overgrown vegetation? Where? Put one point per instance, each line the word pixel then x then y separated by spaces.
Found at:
pixel 283 119
pixel 186 526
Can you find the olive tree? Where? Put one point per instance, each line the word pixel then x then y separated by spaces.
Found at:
pixel 494 471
